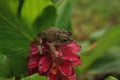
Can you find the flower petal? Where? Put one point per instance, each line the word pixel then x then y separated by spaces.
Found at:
pixel 72 47
pixel 44 64
pixel 53 69
pixel 52 77
pixel 74 58
pixel 72 75
pixel 34 48
pixel 68 52
pixel 53 72
pixel 33 61
pixel 33 70
pixel 65 67
pixel 76 62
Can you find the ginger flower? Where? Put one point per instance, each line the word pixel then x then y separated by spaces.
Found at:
pixel 53 60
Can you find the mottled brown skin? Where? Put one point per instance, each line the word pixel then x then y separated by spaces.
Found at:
pixel 55 37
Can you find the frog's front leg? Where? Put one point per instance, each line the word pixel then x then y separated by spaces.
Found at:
pixel 39 44
pixel 40 49
pixel 53 48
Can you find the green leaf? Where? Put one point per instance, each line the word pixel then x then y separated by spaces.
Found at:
pixel 13 5
pixel 7 78
pixel 19 64
pixel 64 15
pixel 108 40
pixel 21 2
pixel 97 34
pixel 111 78
pixel 110 67
pixel 85 45
pixel 16 49
pixel 46 20
pixel 32 9
pixel 14 39
pixel 108 63
pixel 7 18
pixel 57 2
pixel 35 77
pixel 5 70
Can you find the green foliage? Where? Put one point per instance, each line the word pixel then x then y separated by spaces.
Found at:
pixel 35 77
pixel 46 20
pixel 32 9
pixel 64 15
pixel 111 78
pixel 21 20
pixel 104 43
pixel 107 64
pixel 16 34
pixel 7 78
pixel 96 35
pixel 4 66
pixel 14 8
pixel 56 1
pixel 14 40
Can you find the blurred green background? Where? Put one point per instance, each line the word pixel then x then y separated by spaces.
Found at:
pixel 95 25
pixel 93 22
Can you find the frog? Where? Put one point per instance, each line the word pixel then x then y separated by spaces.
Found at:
pixel 55 37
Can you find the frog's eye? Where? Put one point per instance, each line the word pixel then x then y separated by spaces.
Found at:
pixel 64 39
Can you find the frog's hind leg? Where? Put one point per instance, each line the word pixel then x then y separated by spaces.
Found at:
pixel 53 49
pixel 40 49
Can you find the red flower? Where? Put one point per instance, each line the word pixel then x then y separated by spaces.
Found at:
pixel 58 67
pixel 68 52
pixel 61 70
pixel 34 48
